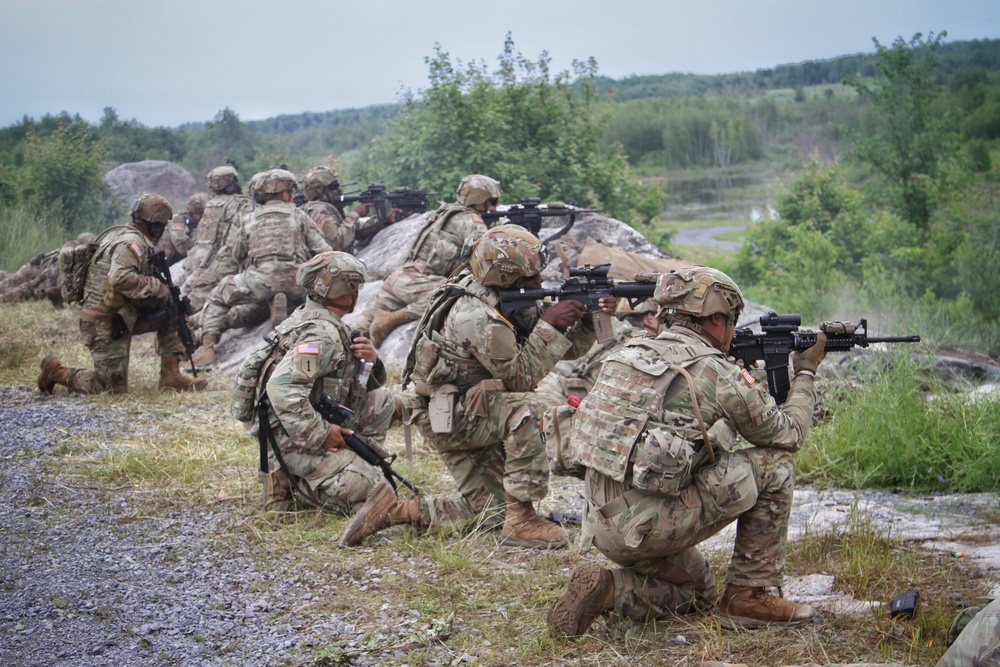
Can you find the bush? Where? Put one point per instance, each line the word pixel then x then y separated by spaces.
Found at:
pixel 25 232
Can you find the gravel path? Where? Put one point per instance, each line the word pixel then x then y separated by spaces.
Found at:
pixel 85 580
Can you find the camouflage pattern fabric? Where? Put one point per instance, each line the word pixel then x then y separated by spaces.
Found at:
pixel 32 279
pixel 273 242
pixel 435 254
pixel 318 359
pixel 120 284
pixel 979 643
pixel 653 536
pixel 338 230
pixel 495 444
pixel 207 260
pixel 177 239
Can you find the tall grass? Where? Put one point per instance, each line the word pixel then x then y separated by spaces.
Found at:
pixel 896 429
pixel 26 231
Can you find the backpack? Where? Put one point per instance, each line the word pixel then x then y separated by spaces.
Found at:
pixel 73 264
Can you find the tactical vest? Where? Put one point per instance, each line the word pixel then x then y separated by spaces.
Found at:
pixel 621 429
pixel 74 264
pixel 97 292
pixel 271 234
pixel 215 227
pixel 437 245
pixel 256 369
pixel 433 360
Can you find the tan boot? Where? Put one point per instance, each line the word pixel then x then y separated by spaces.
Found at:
pixel 381 509
pixel 53 373
pixel 278 496
pixel 172 378
pixel 279 309
pixel 205 355
pixel 589 593
pixel 386 321
pixel 748 607
pixel 522 527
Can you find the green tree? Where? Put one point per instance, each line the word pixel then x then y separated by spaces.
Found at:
pixel 533 130
pixel 916 155
pixel 63 173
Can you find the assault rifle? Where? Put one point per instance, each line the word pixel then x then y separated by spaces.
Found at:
pixel 529 214
pixel 179 309
pixel 586 284
pixel 780 337
pixel 407 200
pixel 335 413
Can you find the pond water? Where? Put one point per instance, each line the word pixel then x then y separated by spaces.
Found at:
pixel 738 197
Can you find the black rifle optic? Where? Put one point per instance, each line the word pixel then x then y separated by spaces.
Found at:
pixel 780 337
pixel 179 309
pixel 529 214
pixel 586 284
pixel 407 200
pixel 335 413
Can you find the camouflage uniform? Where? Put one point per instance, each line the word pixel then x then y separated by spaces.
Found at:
pixel 120 287
pixel 494 445
pixel 338 229
pixel 177 240
pixel 978 643
pixel 209 258
pixel 647 509
pixel 274 241
pixel 319 359
pixel 434 255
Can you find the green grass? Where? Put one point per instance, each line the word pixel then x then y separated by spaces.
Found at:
pixel 24 233
pixel 893 428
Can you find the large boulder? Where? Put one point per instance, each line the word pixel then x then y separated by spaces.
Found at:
pixel 164 178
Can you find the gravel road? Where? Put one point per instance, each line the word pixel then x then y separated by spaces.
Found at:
pixel 706 236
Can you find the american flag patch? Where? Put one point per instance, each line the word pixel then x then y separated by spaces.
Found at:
pixel 749 378
pixel 136 249
pixel 307 348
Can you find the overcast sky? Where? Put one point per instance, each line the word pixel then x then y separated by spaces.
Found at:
pixel 177 61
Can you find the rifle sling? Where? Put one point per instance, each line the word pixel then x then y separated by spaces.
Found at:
pixel 264 436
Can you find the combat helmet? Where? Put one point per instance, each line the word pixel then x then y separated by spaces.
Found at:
pixel 153 212
pixel 625 308
pixel 477 189
pixel 223 180
pixel 196 203
pixel 319 182
pixel 274 181
pixel 505 254
pixel 331 275
pixel 698 291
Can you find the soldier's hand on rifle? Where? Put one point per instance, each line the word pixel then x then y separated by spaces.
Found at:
pixel 608 304
pixel 396 214
pixel 564 314
pixel 809 360
pixel 361 210
pixel 335 438
pixel 163 295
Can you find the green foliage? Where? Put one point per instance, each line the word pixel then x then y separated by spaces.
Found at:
pixel 63 172
pixel 520 124
pixel 888 432
pixel 128 141
pixel 25 233
pixel 916 154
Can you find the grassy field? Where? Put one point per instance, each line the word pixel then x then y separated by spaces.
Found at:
pixel 475 598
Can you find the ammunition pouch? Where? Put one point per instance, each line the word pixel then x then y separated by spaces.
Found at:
pixel 441 408
pixel 661 462
pixel 118 327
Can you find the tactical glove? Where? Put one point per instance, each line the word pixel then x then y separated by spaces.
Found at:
pixel 809 360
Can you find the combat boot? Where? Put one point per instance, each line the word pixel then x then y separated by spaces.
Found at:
pixel 279 309
pixel 749 607
pixel 53 373
pixel 382 509
pixel 278 495
pixel 172 378
pixel 205 354
pixel 522 527
pixel 54 295
pixel 386 321
pixel 589 593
